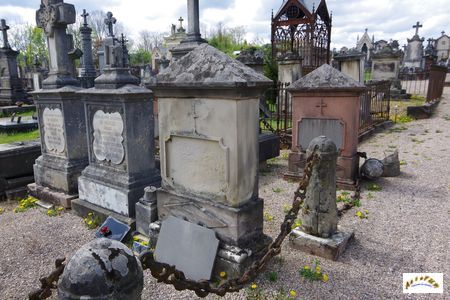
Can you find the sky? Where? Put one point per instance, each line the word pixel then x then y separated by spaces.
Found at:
pixel 386 19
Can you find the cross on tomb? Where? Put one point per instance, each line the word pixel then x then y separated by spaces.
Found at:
pixel 321 105
pixel 443 32
pixel 417 26
pixel 4 29
pixel 84 15
pixel 181 22
pixel 110 21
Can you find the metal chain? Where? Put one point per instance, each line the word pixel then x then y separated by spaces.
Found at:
pixel 169 275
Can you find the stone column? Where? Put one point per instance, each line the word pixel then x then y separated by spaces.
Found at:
pixel 319 234
pixel 210 171
pixel 88 72
pixel 119 117
pixel 60 113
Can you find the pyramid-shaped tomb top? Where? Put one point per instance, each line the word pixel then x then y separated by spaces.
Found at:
pixel 326 78
pixel 207 67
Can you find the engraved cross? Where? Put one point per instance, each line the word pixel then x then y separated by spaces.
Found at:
pixel 4 29
pixel 417 26
pixel 321 105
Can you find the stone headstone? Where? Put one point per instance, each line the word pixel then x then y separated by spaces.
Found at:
pixel 414 51
pixel 189 247
pixel 351 63
pixel 88 72
pixel 103 269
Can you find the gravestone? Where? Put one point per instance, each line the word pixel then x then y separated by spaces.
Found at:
pixel 319 233
pixel 326 102
pixel 289 68
pixel 386 64
pixel 352 64
pixel 414 51
pixel 88 73
pixel 193 38
pixel 113 229
pixel 253 58
pixel 210 171
pixel 60 113
pixel 16 124
pixel 11 89
pixel 120 139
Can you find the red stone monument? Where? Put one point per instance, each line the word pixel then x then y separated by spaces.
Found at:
pixel 326 102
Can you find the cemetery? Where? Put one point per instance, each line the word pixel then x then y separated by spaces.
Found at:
pixel 193 165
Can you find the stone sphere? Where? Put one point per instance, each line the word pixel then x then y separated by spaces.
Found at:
pixel 372 169
pixel 102 269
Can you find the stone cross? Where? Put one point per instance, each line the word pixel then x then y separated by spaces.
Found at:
pixel 322 105
pixel 181 22
pixel 4 29
pixel 53 16
pixel 417 26
pixel 443 32
pixel 84 15
pixel 110 21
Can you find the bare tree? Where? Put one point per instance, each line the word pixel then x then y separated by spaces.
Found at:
pixel 237 34
pixel 149 40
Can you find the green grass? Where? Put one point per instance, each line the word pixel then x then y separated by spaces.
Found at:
pixel 19 137
pixel 23 114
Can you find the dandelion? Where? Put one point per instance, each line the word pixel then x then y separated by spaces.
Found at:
pixel 292 293
pixel 223 274
pixel 306 268
pixel 254 286
pixel 60 208
pixel 359 214
pixel 325 278
pixel 366 211
pixel 318 269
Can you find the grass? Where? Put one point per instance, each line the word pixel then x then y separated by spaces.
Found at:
pixel 22 114
pixel 19 137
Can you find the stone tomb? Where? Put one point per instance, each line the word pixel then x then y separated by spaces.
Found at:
pixel 326 102
pixel 352 64
pixel 208 114
pixel 60 114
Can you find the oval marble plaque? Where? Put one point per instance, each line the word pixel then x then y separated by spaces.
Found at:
pixel 108 129
pixel 53 124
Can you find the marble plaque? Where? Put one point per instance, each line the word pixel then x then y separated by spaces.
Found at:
pixel 108 130
pixel 197 164
pixel 384 67
pixel 53 123
pixel 308 129
pixel 189 247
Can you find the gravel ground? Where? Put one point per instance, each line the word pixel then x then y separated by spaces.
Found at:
pixel 407 229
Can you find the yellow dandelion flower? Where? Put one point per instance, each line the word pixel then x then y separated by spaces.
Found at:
pixel 89 222
pixel 325 278
pixel 292 293
pixel 318 268
pixel 306 268
pixel 366 211
pixel 254 286
pixel 359 214
pixel 223 274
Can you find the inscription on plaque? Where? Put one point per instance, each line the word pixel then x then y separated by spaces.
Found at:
pixel 53 124
pixel 108 129
pixel 308 129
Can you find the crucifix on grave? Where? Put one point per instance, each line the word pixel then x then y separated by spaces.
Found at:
pixel 88 72
pixel 417 26
pixel 4 29
pixel 53 17
pixel 84 15
pixel 110 21
pixel 322 105
pixel 181 22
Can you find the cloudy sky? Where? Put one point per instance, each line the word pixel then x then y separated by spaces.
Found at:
pixel 386 19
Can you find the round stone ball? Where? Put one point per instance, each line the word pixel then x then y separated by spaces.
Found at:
pixel 102 269
pixel 372 169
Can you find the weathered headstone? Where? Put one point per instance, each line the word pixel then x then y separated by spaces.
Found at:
pixel 319 233
pixel 326 102
pixel 194 38
pixel 414 51
pixel 60 113
pixel 11 89
pixel 120 139
pixel 88 72
pixel 103 269
pixel 209 171
pixel 289 68
pixel 352 63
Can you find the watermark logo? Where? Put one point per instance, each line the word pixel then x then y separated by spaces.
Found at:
pixel 423 283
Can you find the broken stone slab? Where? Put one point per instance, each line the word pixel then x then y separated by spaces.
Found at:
pixel 391 165
pixel 329 248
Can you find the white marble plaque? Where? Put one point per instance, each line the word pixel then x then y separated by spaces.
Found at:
pixel 53 124
pixel 108 130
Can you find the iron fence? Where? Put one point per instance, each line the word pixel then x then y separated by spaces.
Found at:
pixel 436 82
pixel 415 82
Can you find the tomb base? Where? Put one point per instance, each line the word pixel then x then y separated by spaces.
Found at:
pixel 146 213
pixel 82 208
pixel 48 195
pixel 232 260
pixel 329 248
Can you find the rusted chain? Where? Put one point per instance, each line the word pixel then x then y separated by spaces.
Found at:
pixel 48 283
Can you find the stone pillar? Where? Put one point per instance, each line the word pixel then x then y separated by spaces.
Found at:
pixel 352 64
pixel 88 72
pixel 60 113
pixel 119 117
pixel 319 234
pixel 11 89
pixel 210 171
pixel 194 38
pixel 289 68
pixel 326 102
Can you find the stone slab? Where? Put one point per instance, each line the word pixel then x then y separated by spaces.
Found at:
pixel 191 248
pixel 48 195
pixel 330 248
pixel 117 230
pixel 82 208
pixel 23 126
pixel 9 110
pixel 269 146
pixel 17 159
